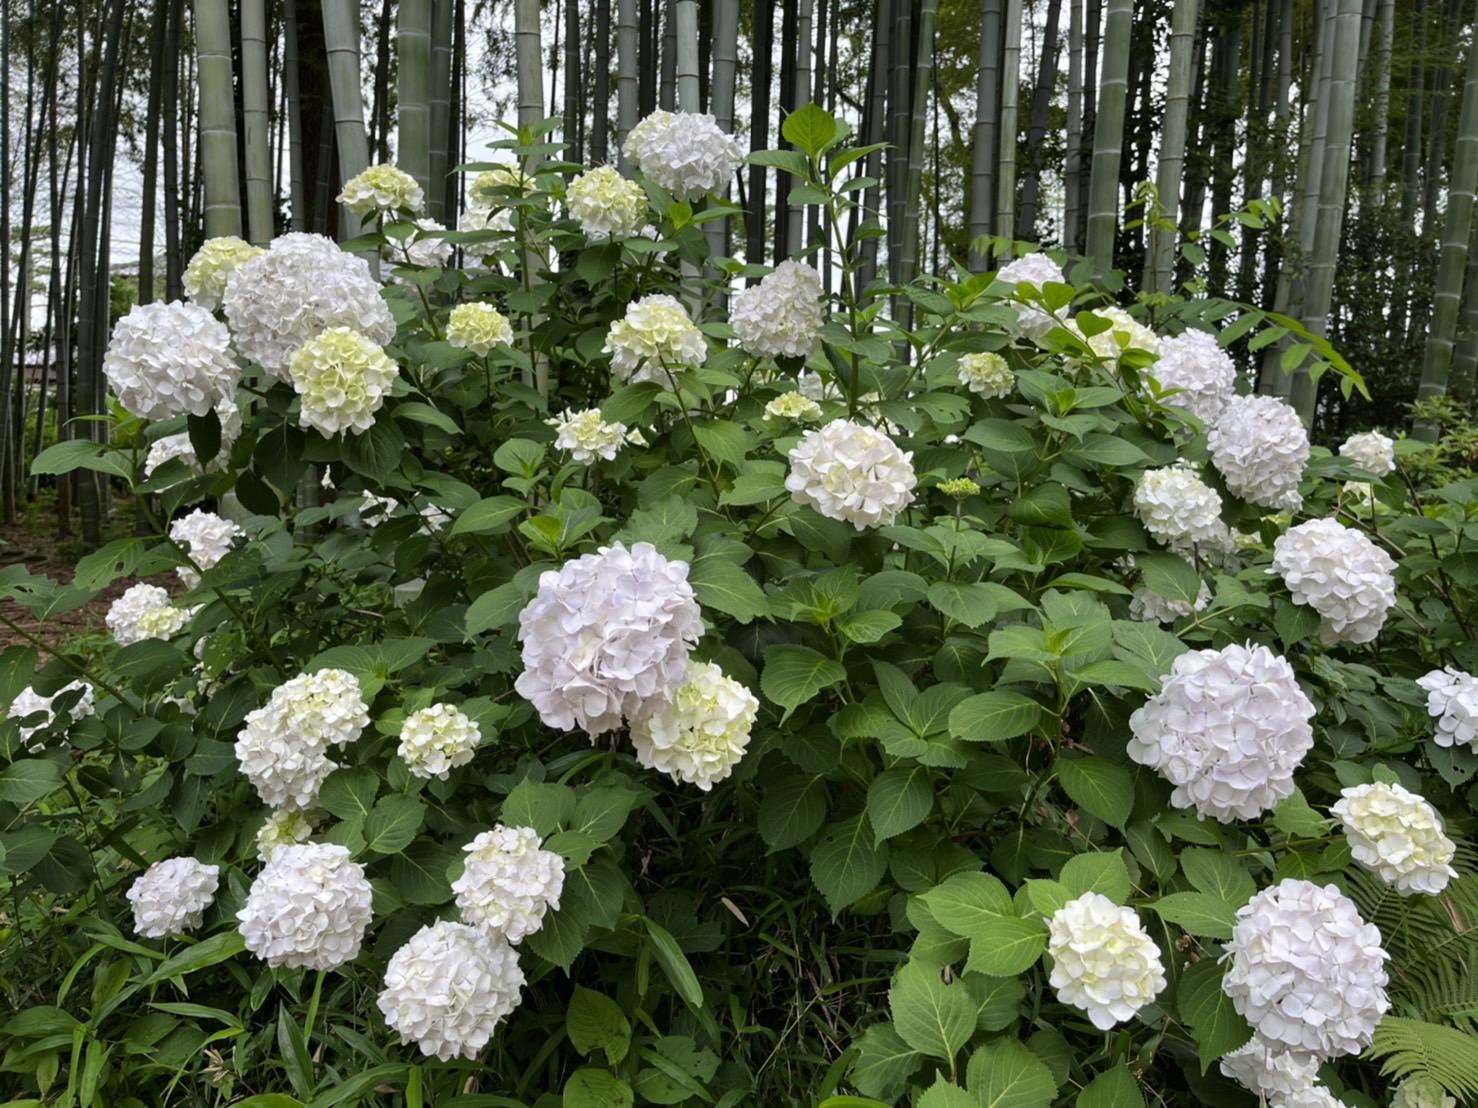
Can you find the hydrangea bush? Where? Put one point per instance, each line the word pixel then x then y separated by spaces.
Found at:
pixel 577 693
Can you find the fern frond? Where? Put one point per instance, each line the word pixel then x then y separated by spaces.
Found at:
pixel 1415 1047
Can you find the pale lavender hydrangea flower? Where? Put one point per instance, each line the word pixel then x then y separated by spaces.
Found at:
pixel 308 908
pixel 607 637
pixel 1227 729
pixel 449 987
pixel 1307 971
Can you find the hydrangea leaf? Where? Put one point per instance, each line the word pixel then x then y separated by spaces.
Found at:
pixel 848 862
pixel 1214 1021
pixel 934 1018
pixel 1005 1074
pixel 1115 1088
pixel 1100 787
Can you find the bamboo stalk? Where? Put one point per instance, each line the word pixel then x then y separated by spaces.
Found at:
pixel 987 150
pixel 296 189
pixel 1010 101
pixel 254 121
pixel 413 90
pixel 1072 212
pixel 1386 21
pixel 628 90
pixel 795 217
pixel 1160 258
pixel 441 111
pixel 685 33
pixel 341 43
pixel 1108 138
pixel 217 118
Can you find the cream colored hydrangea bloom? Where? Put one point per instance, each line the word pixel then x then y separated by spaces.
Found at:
pixel 606 204
pixel 343 379
pixel 212 266
pixel 383 190
pixel 700 735
pixel 478 328
pixel 987 374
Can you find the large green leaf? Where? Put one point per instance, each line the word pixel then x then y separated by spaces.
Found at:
pixel 942 1094
pixel 898 800
pixel 1006 945
pixel 1218 874
pixel 1005 1074
pixel 29 779
pixel 793 674
pixel 1102 872
pixel 884 1061
pixel 994 716
pixel 596 1022
pixel 1115 1088
pixel 792 811
pixel 934 1018
pixel 848 862
pixel 1100 787
pixel 966 902
pixel 720 584
pixel 1213 1019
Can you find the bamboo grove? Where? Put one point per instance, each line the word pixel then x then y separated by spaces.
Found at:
pixel 1313 158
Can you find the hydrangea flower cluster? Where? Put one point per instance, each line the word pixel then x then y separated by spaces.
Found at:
pixel 179 446
pixel 1341 574
pixel 487 212
pixel 424 250
pixel 170 897
pixel 303 285
pixel 343 378
pixel 1421 1092
pixel 1180 510
pixel 283 747
pixel 509 882
pixel 1260 447
pixel 212 266
pixel 1205 374
pixel 144 612
pixel 685 153
pixel 987 374
pixel 1452 698
pixel 1306 970
pixel 699 736
pixel 1035 270
pixel 1396 835
pixel 383 190
pixel 654 337
pixel 780 317
pixel 207 537
pixel 586 436
pixel 606 638
pixel 1373 452
pixel 449 987
pixel 478 328
pixel 28 702
pixel 169 360
pixel 1227 729
pixel 436 740
pixel 1275 1075
pixel 606 204
pixel 853 473
pixel 308 908
pixel 1150 607
pixel 1124 333
pixel 284 827
pixel 1103 961
pixel 793 405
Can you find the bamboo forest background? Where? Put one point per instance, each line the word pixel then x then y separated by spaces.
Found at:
pixel 1314 158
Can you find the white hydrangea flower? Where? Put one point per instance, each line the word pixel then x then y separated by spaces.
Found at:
pixel 207 537
pixel 449 987
pixel 1227 729
pixel 1273 1074
pixel 1396 835
pixel 586 436
pixel 426 251
pixel 793 405
pixel 308 908
pixel 509 882
pixel 164 623
pixel 1341 574
pixel 283 746
pixel 29 702
pixel 343 378
pixel 375 510
pixel 1149 606
pixel 170 359
pixel 606 204
pixel 478 328
pixel 1103 961
pixel 436 740
pixel 606 638
pixel 853 473
pixel 383 190
pixel 126 613
pixel 170 897
pixel 1260 447
pixel 1421 1092
pixel 212 266
pixel 1035 270
pixel 1452 699
pixel 1373 452
pixel 987 374
pixel 179 446
pixel 782 316
pixel 433 519
pixel 303 285
pixel 1205 374
pixel 1306 971
pixel 1124 333
pixel 684 153
pixel 700 735
pixel 655 337
pixel 488 212
pixel 1180 510
pixel 284 827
